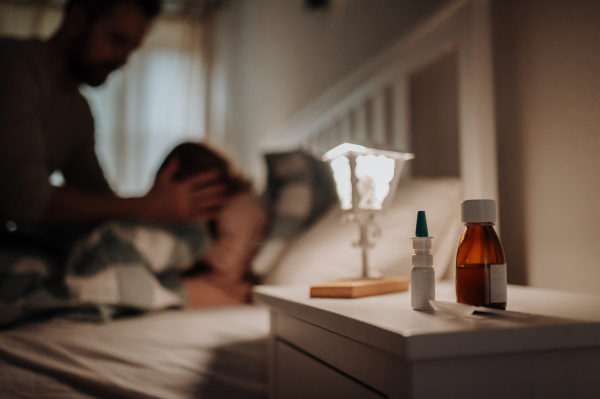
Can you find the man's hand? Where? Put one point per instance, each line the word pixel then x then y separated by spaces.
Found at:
pixel 199 197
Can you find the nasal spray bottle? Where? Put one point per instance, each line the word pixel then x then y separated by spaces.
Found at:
pixel 422 275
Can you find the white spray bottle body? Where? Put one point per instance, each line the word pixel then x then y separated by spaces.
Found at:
pixel 422 275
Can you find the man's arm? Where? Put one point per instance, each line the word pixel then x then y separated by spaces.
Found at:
pixel 197 198
pixel 88 197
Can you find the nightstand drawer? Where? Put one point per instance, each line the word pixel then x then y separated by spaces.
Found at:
pixel 374 368
pixel 301 376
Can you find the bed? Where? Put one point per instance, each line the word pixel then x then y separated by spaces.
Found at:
pixel 172 354
pixel 221 352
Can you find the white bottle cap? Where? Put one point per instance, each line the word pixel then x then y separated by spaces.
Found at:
pixel 478 211
pixel 422 247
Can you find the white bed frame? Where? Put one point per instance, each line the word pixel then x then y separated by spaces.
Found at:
pixel 372 105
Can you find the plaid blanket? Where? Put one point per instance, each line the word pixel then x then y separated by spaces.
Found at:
pixel 129 266
pixel 120 267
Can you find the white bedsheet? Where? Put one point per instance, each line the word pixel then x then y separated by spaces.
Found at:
pixel 210 353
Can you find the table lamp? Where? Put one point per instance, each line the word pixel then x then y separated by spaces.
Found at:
pixel 366 180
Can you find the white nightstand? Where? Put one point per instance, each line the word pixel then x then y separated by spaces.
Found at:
pixel 378 347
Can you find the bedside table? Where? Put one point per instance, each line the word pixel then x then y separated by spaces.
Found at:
pixel 378 347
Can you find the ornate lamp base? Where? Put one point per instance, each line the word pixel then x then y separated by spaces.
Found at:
pixel 356 288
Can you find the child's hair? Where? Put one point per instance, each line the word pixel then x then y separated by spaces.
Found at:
pixel 195 158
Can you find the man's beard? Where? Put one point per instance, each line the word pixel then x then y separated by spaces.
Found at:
pixel 83 71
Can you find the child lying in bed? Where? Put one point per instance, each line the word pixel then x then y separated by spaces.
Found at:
pixel 223 276
pixel 131 265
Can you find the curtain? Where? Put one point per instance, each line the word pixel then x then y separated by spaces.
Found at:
pixel 155 102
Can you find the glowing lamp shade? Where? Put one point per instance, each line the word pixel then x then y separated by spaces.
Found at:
pixel 365 178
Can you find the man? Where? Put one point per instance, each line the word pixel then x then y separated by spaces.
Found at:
pixel 46 125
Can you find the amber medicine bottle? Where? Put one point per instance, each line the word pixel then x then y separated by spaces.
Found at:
pixel 480 263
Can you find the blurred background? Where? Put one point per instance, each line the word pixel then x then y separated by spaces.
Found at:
pixel 234 71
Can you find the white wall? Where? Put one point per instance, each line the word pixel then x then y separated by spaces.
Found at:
pixel 547 61
pixel 272 57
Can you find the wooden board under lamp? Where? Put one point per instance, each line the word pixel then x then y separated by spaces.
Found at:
pixel 357 288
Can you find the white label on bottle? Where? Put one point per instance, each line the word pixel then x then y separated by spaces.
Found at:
pixel 498 283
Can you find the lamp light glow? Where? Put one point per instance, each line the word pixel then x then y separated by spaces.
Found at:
pixel 343 149
pixel 374 174
pixel 342 176
pixel 365 175
pixel 366 180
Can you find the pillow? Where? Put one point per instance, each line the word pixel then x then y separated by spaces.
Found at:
pixel 325 252
pixel 300 189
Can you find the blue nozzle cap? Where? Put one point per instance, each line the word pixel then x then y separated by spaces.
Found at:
pixel 421 225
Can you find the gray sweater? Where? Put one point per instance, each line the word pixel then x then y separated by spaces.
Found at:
pixel 44 127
